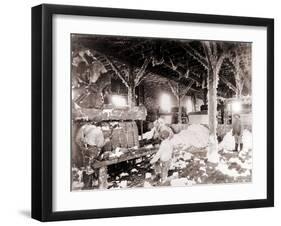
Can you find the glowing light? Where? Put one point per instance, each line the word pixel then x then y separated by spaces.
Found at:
pixel 229 107
pixel 236 107
pixel 165 103
pixel 119 101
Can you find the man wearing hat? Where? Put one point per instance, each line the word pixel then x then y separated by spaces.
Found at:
pixel 237 132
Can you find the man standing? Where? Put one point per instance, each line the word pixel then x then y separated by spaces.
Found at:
pixel 237 131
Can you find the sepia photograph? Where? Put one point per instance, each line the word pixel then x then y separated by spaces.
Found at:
pixel 145 112
pixel 153 112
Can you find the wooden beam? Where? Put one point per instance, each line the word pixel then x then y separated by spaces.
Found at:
pixel 229 84
pixel 174 89
pixel 143 43
pixel 141 73
pixel 168 77
pixel 112 65
pixel 195 54
pixel 183 94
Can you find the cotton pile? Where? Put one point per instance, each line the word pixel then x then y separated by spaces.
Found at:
pixel 195 135
pixel 228 142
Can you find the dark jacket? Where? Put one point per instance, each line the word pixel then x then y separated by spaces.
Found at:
pixel 237 127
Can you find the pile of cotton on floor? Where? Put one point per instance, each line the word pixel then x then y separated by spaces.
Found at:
pixel 240 164
pixel 228 142
pixel 195 135
pixel 181 159
pixel 241 168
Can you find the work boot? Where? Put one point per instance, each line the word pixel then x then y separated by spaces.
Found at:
pixel 157 178
pixel 241 146
pixel 236 147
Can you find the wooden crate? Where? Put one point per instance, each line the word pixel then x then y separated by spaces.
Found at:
pixel 124 135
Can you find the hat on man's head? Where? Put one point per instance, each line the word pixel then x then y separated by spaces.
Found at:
pixel 236 115
pixel 164 134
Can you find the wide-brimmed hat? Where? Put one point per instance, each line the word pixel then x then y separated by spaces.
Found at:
pixel 236 115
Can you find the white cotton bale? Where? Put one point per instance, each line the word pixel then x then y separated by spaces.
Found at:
pixel 247 139
pixel 93 136
pixel 228 142
pixel 195 135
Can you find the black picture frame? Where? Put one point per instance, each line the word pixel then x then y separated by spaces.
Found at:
pixel 42 108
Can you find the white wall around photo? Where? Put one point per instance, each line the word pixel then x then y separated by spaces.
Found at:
pixel 15 90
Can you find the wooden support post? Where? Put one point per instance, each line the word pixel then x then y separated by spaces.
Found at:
pixel 131 88
pixel 194 103
pixel 212 103
pixel 141 122
pixel 212 112
pixel 205 93
pixel 179 111
pixel 103 177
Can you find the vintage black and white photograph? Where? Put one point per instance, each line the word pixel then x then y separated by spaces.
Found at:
pixel 152 112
